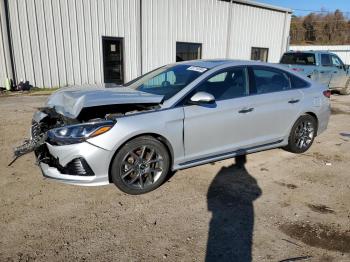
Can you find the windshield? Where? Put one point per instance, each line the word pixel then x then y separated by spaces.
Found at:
pixel 298 59
pixel 167 80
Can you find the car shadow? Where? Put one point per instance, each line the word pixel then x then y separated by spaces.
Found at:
pixel 230 199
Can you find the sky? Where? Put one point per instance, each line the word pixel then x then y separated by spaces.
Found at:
pixel 316 5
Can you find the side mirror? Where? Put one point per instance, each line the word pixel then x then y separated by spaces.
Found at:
pixel 201 98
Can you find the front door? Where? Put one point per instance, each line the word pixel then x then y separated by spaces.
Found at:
pixel 218 128
pixel 113 60
pixel 339 73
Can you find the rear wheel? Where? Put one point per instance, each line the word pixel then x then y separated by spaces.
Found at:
pixel 140 166
pixel 302 134
pixel 346 90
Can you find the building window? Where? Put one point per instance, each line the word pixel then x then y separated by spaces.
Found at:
pixel 188 51
pixel 260 54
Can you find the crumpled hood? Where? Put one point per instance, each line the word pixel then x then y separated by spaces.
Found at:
pixel 71 100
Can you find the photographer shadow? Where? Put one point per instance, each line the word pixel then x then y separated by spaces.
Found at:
pixel 230 199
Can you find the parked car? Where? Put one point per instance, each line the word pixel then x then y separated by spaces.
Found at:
pixel 175 117
pixel 322 66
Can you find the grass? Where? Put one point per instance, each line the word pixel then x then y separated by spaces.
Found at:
pixel 36 91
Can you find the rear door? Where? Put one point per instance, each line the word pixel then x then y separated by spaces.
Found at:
pixel 275 104
pixel 339 74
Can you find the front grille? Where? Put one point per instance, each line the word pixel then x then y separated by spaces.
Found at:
pixel 35 129
pixel 76 167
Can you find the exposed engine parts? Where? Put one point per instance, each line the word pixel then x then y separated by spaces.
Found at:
pixel 47 119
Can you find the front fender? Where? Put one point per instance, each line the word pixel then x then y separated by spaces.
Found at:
pixel 165 123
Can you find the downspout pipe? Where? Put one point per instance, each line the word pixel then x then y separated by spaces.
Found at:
pixel 229 26
pixel 7 41
pixel 285 40
pixel 140 25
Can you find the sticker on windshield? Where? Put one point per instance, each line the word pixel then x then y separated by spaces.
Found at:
pixel 197 69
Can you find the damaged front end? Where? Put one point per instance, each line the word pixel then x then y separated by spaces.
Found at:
pixel 49 126
pixel 43 120
pixel 74 114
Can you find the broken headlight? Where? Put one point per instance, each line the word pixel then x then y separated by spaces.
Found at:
pixel 78 133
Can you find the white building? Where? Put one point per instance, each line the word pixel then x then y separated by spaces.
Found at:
pixel 64 42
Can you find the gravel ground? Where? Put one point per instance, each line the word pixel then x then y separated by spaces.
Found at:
pixel 278 206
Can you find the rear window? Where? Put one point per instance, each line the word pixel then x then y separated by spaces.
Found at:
pixel 298 59
pixel 269 80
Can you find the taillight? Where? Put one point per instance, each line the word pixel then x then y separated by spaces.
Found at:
pixel 327 93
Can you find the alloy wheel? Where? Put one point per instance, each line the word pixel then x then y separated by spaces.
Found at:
pixel 304 134
pixel 141 167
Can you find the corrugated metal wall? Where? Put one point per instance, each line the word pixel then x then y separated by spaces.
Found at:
pixel 257 27
pixel 343 51
pixel 167 21
pixel 207 22
pixel 3 68
pixel 5 64
pixel 58 43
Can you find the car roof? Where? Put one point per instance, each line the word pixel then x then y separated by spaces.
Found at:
pixel 207 63
pixel 310 51
pixel 211 63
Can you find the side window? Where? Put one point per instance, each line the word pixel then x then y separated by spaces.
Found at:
pixel 269 80
pixel 326 60
pixel 336 61
pixel 297 82
pixel 226 84
pixel 218 78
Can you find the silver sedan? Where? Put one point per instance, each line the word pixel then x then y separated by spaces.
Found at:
pixel 175 117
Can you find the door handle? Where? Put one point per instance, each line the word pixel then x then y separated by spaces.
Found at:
pixel 245 110
pixel 335 72
pixel 322 72
pixel 293 101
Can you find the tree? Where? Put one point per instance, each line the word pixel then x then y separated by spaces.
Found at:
pixel 328 28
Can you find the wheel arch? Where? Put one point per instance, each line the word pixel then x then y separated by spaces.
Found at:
pixel 310 113
pixel 314 116
pixel 156 136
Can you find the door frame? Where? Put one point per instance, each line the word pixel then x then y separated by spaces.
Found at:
pixel 122 41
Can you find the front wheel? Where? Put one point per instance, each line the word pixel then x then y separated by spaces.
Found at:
pixel 140 166
pixel 302 134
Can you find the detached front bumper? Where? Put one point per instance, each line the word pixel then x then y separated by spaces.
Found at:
pixel 78 164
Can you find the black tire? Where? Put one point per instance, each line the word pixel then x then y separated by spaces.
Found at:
pixel 302 134
pixel 140 166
